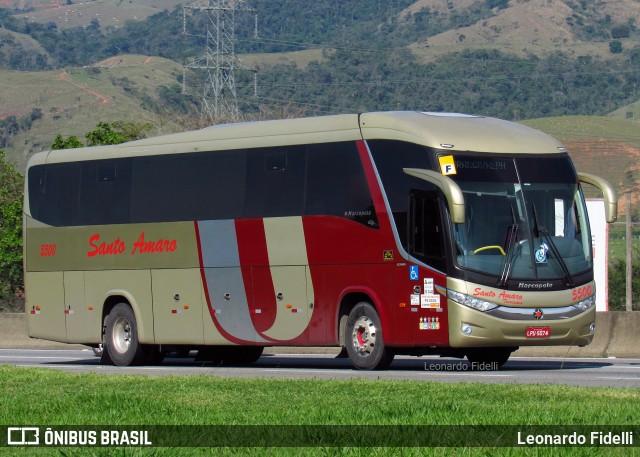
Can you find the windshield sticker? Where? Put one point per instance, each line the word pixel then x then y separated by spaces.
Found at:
pixel 541 254
pixel 447 165
pixel 493 165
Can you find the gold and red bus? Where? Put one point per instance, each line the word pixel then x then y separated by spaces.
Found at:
pixel 384 233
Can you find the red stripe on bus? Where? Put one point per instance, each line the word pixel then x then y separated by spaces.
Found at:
pixel 374 188
pixel 256 273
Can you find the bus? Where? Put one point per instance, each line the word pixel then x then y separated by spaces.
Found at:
pixel 384 233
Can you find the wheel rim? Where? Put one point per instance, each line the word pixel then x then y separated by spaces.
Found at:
pixel 364 336
pixel 122 335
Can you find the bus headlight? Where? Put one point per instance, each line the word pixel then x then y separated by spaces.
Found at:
pixel 586 304
pixel 471 302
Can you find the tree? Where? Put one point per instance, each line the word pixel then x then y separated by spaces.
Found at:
pixel 615 47
pixel 116 133
pixel 11 194
pixel 617 283
pixel 105 133
pixel 620 31
pixel 69 143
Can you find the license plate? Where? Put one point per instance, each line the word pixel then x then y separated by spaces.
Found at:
pixel 538 332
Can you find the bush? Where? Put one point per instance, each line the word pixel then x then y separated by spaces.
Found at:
pixel 11 193
pixel 615 47
pixel 617 283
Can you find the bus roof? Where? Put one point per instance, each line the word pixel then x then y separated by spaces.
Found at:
pixel 457 132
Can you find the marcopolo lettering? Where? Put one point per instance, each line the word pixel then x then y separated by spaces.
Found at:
pixel 535 285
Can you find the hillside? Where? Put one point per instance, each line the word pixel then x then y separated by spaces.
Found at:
pixel 535 27
pixel 605 146
pixel 552 59
pixel 74 100
pixel 21 51
pixel 110 13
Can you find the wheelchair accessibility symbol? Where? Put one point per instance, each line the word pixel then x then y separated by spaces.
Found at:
pixel 413 273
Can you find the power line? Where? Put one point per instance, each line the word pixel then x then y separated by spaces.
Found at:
pixel 219 61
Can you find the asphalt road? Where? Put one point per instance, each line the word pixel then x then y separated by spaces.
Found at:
pixel 610 372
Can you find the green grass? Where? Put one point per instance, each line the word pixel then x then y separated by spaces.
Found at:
pixel 618 249
pixel 48 397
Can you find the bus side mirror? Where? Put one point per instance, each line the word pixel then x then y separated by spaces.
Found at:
pixel 610 195
pixel 449 188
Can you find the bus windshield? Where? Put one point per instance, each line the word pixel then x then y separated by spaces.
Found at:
pixel 525 218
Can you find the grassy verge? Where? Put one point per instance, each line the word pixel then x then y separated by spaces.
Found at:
pixel 43 397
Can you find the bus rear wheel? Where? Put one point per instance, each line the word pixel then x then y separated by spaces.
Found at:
pixel 363 337
pixel 121 337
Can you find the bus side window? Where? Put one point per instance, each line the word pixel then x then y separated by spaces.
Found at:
pixel 275 181
pixel 337 184
pixel 55 200
pixel 425 231
pixel 105 192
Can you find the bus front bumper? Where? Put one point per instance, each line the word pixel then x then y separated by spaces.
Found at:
pixel 471 328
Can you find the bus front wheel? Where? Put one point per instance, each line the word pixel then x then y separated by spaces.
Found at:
pixel 363 337
pixel 121 337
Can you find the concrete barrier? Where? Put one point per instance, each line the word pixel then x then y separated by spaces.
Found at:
pixel 13 334
pixel 617 335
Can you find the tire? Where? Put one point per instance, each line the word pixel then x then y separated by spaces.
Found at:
pixel 363 337
pixel 121 338
pixel 489 356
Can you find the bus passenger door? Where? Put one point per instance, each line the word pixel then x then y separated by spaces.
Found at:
pixel 425 238
pixel 426 242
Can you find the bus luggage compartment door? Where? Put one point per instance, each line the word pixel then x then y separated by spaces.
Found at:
pixel 83 321
pixel 45 306
pixel 177 306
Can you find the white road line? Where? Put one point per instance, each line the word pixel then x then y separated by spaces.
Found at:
pixel 616 378
pixel 42 350
pixel 34 357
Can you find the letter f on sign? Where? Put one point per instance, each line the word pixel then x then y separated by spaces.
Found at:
pixel 447 165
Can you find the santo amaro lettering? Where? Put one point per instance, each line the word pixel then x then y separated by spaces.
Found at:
pixel 97 247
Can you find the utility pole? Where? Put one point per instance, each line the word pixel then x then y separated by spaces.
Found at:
pixel 219 61
pixel 629 242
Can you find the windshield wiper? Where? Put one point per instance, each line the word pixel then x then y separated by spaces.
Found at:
pixel 552 247
pixel 512 236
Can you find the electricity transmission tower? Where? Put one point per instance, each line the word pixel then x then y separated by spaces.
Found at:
pixel 219 61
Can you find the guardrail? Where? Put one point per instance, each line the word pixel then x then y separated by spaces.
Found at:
pixel 617 335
